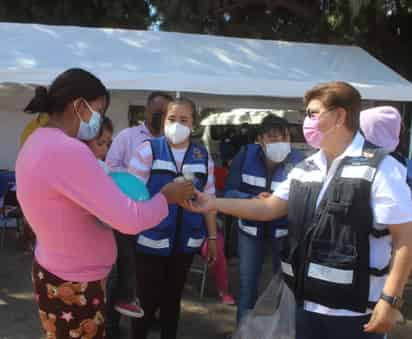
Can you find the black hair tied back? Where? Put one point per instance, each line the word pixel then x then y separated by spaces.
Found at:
pixel 70 85
pixel 40 101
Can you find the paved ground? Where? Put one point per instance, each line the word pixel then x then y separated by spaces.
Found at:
pixel 201 319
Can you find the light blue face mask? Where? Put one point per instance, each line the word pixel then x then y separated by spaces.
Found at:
pixel 89 130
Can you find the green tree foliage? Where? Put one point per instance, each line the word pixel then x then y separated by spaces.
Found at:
pixel 98 13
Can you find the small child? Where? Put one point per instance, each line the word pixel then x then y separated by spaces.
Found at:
pixel 101 144
pixel 127 303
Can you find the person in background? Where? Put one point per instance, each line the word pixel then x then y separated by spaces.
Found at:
pixel 101 144
pixel 255 172
pixel 230 230
pixel 39 121
pixel 64 193
pixel 165 254
pixel 383 127
pixel 121 298
pixel 227 147
pixel 127 141
pixel 349 250
pixel 244 137
pixel 219 269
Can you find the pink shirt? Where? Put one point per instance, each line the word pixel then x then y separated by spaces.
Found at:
pixel 123 146
pixel 62 191
pixel 141 164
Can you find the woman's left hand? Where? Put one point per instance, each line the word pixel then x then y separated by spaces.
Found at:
pixel 383 318
pixel 211 251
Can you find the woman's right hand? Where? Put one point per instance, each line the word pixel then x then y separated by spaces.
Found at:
pixel 178 192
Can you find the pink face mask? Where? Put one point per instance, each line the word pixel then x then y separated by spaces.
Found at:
pixel 313 135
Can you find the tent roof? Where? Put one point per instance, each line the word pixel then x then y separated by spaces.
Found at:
pixel 146 60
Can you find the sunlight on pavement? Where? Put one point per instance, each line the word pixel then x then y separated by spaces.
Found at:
pixel 21 296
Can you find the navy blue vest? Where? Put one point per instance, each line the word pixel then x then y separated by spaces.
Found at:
pixel 182 231
pixel 256 179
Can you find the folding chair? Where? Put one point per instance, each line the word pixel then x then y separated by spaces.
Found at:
pixel 202 270
pixel 9 211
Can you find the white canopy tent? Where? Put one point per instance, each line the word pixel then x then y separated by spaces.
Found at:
pixel 146 60
pixel 215 71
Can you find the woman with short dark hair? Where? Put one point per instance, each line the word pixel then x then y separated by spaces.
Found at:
pixel 255 172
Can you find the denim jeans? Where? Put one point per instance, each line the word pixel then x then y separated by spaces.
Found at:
pixel 251 253
pixel 310 325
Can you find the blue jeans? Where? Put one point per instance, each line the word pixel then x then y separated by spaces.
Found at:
pixel 310 325
pixel 251 253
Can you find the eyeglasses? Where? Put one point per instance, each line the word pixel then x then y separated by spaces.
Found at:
pixel 312 112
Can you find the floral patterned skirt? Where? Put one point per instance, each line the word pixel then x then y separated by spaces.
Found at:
pixel 69 309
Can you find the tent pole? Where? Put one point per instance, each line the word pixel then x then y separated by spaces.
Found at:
pixel 410 130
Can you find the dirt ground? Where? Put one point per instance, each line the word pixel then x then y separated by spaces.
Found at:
pixel 201 318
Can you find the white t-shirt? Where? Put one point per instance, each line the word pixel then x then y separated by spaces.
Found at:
pixel 391 204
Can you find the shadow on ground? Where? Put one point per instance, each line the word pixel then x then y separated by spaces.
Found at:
pixel 201 318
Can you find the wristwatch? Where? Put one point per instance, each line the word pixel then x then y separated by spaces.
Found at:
pixel 395 301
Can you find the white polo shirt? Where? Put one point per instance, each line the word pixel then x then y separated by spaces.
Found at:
pixel 391 204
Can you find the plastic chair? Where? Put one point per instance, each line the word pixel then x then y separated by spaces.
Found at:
pixel 9 211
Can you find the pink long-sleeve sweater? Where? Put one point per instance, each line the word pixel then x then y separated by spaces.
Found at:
pixel 62 191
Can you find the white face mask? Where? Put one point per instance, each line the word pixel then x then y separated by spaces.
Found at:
pixel 89 130
pixel 177 133
pixel 277 151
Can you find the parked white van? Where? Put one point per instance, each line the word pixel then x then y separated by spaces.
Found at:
pixel 217 124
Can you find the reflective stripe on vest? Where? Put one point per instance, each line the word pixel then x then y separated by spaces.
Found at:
pixel 287 268
pixel 330 274
pixel 151 243
pixel 163 165
pixel 195 168
pixel 254 181
pixel 281 232
pixel 307 176
pixel 247 229
pixel 358 172
pixel 195 243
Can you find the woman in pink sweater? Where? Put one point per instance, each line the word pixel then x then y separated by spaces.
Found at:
pixel 63 192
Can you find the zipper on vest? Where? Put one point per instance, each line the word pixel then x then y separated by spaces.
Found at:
pixel 179 217
pixel 179 220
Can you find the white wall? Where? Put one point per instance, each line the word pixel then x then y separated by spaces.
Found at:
pixel 16 97
pixel 11 125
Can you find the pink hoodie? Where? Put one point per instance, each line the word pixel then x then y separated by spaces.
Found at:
pixel 62 191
